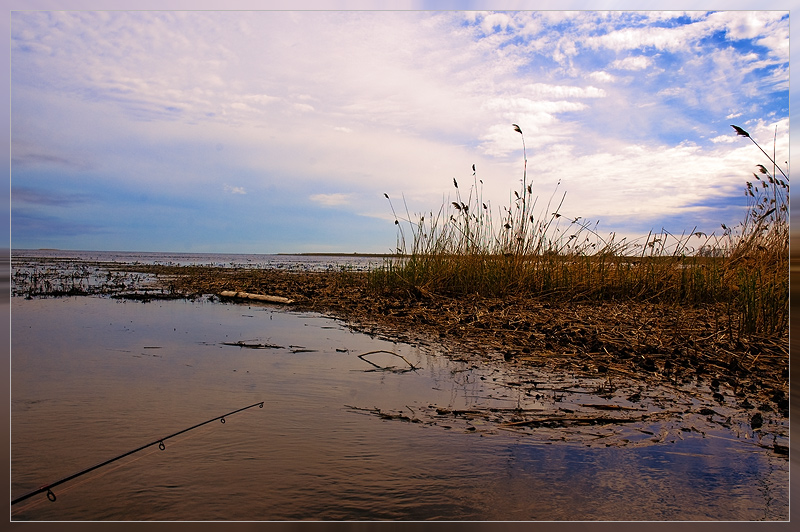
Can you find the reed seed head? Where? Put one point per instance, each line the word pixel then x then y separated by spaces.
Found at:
pixel 740 131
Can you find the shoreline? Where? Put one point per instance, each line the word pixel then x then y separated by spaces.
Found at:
pixel 619 348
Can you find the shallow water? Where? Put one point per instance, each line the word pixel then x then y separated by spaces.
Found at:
pixel 92 378
pixel 316 262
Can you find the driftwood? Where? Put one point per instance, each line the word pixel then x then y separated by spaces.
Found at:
pixel 257 297
pixel 386 415
pixel 253 345
pixel 412 366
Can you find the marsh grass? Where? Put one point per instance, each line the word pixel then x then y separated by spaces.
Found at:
pixel 532 250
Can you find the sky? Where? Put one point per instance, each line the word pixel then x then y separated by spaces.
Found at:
pixel 282 130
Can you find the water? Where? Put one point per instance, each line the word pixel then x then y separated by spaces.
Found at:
pixel 280 261
pixel 92 378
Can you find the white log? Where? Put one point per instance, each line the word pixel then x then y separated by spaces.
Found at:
pixel 257 297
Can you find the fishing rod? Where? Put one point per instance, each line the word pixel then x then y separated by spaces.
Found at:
pixel 160 442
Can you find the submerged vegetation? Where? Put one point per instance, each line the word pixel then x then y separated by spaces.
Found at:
pixel 463 250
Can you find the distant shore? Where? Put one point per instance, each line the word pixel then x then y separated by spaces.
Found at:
pixel 284 253
pixel 340 254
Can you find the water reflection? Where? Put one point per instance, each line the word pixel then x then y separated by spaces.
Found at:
pixel 94 377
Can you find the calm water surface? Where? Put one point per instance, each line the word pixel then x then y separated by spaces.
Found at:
pixel 92 378
pixel 315 262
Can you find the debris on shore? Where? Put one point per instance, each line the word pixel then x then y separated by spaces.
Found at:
pixel 257 297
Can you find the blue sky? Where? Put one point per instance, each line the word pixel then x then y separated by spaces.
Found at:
pixel 280 131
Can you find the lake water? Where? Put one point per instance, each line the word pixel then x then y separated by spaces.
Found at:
pixel 301 262
pixel 94 377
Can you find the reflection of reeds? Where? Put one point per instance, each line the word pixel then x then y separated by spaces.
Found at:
pixel 462 249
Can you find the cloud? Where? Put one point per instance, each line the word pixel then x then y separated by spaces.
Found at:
pixel 495 20
pixel 543 90
pixel 767 27
pixel 737 25
pixel 671 91
pixel 659 182
pixel 601 76
pixel 618 104
pixel 632 63
pixel 234 190
pixel 31 155
pixel 331 200
pixel 526 105
pixel 40 197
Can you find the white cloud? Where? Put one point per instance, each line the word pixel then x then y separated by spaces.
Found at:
pixel 751 24
pixel 671 91
pixel 601 76
pixel 234 190
pixel 526 105
pixel 737 25
pixel 494 20
pixel 331 200
pixel 543 90
pixel 639 62
pixel 647 182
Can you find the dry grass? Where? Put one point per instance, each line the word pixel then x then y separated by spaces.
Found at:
pixel 532 252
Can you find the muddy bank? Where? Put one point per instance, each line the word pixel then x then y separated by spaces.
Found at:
pixel 585 364
pixel 617 357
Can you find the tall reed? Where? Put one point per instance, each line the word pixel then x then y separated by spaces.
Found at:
pixel 759 249
pixel 533 252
